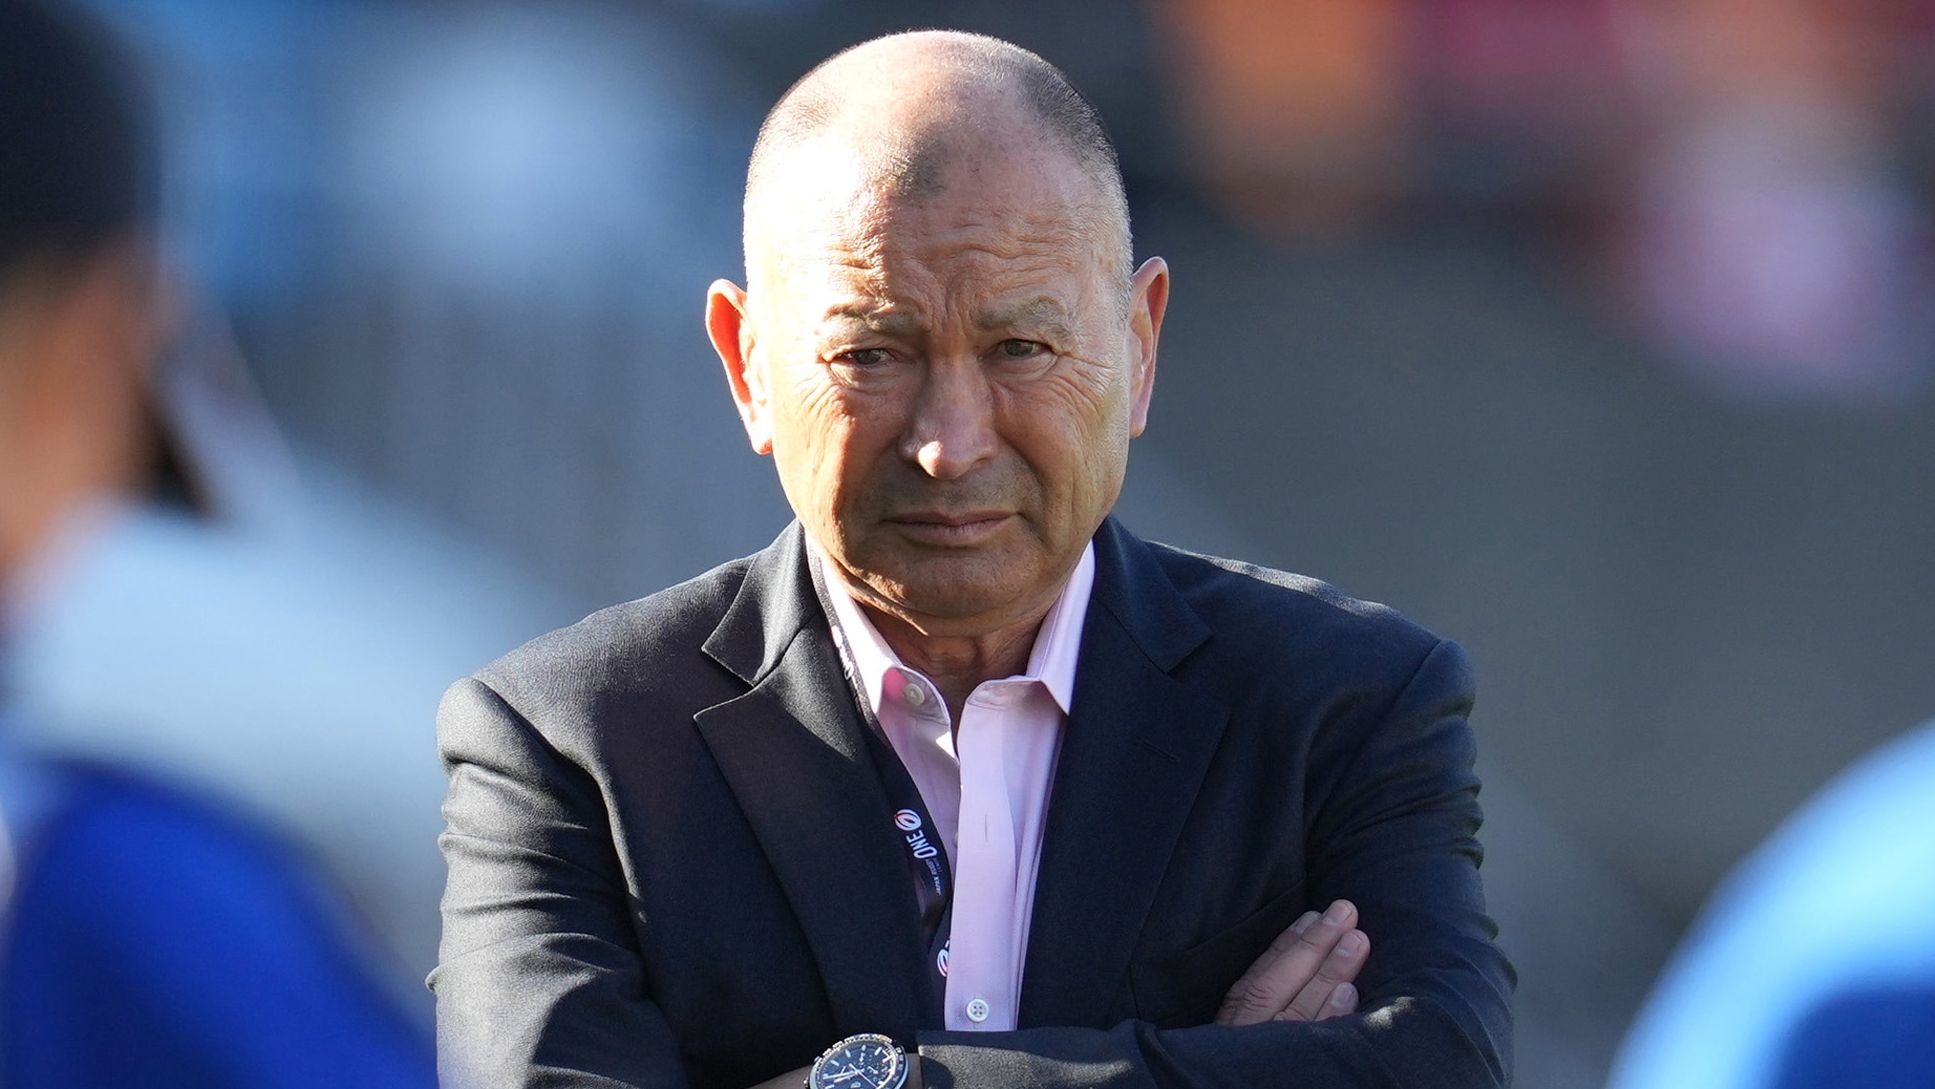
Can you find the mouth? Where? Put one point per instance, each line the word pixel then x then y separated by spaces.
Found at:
pixel 950 529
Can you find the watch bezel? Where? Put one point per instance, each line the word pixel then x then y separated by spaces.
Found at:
pixel 900 1058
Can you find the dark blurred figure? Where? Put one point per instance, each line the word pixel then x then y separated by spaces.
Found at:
pixel 149 938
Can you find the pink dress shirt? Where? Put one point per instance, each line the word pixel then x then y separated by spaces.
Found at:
pixel 986 785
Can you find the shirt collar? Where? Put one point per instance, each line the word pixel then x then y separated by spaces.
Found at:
pixel 1051 662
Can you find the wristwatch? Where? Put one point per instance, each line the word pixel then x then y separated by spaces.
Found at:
pixel 866 1061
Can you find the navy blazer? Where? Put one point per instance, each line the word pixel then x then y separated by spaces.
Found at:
pixel 672 861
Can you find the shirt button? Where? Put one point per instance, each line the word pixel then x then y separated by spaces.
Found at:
pixel 914 694
pixel 977 1010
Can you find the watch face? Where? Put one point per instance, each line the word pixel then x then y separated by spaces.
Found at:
pixel 868 1063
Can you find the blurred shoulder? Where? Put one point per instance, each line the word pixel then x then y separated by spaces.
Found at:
pixel 115 830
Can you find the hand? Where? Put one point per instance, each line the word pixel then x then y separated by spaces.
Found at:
pixel 1306 973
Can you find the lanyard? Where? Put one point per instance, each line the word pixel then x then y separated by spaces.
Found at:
pixel 927 860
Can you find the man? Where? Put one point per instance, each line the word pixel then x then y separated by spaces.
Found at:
pixel 958 761
pixel 150 938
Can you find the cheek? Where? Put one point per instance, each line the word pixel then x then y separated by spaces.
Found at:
pixel 1078 414
pixel 830 439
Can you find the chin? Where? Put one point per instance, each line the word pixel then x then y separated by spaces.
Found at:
pixel 955 587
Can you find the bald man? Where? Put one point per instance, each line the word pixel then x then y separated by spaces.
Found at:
pixel 959 782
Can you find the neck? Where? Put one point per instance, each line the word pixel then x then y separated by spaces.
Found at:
pixel 958 664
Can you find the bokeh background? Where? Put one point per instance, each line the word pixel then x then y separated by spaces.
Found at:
pixel 1595 334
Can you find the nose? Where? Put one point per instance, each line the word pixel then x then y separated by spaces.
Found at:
pixel 952 429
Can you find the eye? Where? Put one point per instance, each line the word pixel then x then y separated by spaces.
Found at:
pixel 865 357
pixel 1020 349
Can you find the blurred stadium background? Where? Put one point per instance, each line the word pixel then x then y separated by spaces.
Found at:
pixel 1593 333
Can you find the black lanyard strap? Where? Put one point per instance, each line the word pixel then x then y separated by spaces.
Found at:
pixel 927 861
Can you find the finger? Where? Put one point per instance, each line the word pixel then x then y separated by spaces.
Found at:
pixel 1279 946
pixel 1346 959
pixel 1274 979
pixel 1283 972
pixel 1342 1002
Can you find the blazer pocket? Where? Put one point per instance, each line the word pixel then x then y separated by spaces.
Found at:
pixel 1177 990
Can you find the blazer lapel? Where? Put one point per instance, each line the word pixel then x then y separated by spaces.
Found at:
pixel 794 751
pixel 1137 745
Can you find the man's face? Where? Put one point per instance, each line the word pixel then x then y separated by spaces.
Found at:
pixel 948 382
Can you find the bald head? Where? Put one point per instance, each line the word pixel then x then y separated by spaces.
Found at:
pixel 894 115
pixel 939 341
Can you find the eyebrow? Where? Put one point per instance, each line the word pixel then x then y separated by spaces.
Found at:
pixel 886 323
pixel 1044 312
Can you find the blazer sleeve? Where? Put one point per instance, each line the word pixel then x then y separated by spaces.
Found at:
pixel 538 980
pixel 1394 829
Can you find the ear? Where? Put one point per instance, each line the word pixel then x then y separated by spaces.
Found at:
pixel 1148 300
pixel 731 330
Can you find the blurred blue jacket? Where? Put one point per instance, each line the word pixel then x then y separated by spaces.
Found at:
pixel 1875 1037
pixel 152 939
pixel 1815 963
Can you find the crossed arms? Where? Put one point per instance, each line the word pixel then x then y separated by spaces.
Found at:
pixel 1305 975
pixel 542 981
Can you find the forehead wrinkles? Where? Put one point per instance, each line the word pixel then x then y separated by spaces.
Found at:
pixel 971 222
pixel 996 216
pixel 957 278
pixel 914 147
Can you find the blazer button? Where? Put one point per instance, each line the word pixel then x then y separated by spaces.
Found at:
pixel 977 1010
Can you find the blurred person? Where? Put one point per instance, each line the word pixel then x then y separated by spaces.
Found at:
pixel 801 805
pixel 1298 112
pixel 1761 995
pixel 148 936
pixel 255 624
pixel 1767 238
